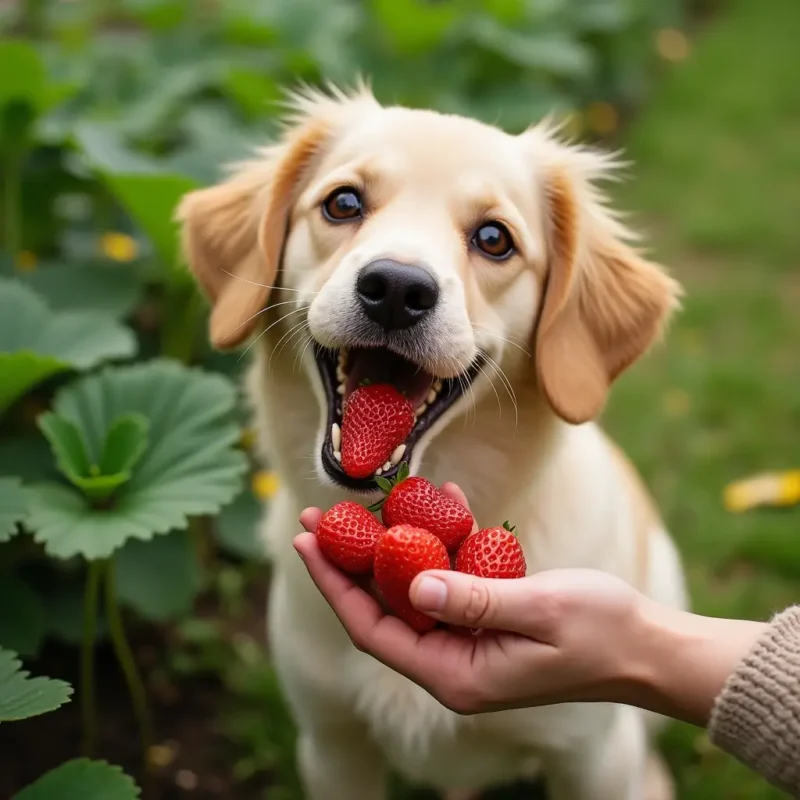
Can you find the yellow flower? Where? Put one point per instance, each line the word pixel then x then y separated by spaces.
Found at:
pixel 119 246
pixel 25 261
pixel 677 403
pixel 766 489
pixel 672 45
pixel 602 117
pixel 265 484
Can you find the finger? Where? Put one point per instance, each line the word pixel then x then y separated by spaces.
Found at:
pixel 471 602
pixel 310 518
pixel 453 491
pixel 385 637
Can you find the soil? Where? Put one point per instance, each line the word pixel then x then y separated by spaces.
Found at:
pixel 199 758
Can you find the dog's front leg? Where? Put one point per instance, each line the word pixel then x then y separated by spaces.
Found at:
pixel 608 766
pixel 340 762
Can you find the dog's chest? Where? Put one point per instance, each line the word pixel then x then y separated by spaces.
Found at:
pixel 423 740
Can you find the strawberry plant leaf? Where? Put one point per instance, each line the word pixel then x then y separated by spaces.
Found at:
pixel 13 507
pixel 67 445
pixel 125 443
pixel 37 343
pixel 236 527
pixel 190 466
pixel 22 696
pixel 158 579
pixel 82 779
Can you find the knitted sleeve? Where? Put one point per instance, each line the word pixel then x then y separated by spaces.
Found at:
pixel 756 717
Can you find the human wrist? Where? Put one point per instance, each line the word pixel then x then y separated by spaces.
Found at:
pixel 680 660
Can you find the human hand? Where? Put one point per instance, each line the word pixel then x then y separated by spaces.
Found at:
pixel 558 636
pixel 548 638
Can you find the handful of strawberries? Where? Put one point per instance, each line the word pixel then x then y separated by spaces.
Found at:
pixel 422 529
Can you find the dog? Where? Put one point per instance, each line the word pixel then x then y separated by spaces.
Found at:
pixel 485 275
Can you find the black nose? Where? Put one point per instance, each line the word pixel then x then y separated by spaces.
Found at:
pixel 396 295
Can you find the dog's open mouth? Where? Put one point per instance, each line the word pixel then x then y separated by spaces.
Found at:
pixel 344 371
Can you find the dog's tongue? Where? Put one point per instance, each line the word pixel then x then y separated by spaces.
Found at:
pixel 376 421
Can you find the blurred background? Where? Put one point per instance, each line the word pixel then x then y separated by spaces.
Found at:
pixel 128 490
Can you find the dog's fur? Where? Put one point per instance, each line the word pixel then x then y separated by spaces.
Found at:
pixel 560 320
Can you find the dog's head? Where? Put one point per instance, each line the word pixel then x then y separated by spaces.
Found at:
pixel 430 251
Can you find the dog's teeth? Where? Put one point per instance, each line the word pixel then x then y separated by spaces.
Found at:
pixel 341 376
pixel 342 357
pixel 431 396
pixel 422 409
pixel 387 466
pixel 398 453
pixel 379 471
pixel 340 388
pixel 437 385
pixel 337 455
pixel 336 436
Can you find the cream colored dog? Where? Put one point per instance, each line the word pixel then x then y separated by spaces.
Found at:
pixel 484 275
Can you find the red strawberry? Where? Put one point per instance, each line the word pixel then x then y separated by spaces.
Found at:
pixel 348 535
pixel 376 420
pixel 492 553
pixel 403 552
pixel 416 501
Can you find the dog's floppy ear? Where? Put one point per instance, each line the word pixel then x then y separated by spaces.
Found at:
pixel 233 233
pixel 604 304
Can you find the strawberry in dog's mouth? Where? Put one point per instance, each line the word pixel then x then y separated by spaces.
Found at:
pixel 379 407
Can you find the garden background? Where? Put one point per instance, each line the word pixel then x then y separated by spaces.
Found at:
pixel 128 566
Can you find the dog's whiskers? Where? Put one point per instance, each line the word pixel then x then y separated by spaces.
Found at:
pixel 285 339
pixel 266 286
pixel 269 327
pixel 506 385
pixel 491 333
pixel 262 310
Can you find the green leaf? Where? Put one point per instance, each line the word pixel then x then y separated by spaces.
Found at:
pixel 125 444
pixel 237 526
pixel 68 446
pixel 191 465
pixel 22 696
pixel 22 75
pixel 24 630
pixel 151 202
pixel 81 779
pixel 384 484
pixel 158 579
pixel 13 507
pixel 37 343
pixel 416 25
pixel 112 289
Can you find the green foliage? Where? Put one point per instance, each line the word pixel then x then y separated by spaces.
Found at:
pixel 188 467
pixel 81 779
pixel 37 343
pixel 13 507
pixel 22 696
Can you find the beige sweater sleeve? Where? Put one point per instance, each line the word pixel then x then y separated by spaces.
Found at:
pixel 756 718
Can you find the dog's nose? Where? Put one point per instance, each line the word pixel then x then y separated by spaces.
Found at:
pixel 396 295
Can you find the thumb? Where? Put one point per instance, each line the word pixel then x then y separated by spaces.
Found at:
pixel 465 600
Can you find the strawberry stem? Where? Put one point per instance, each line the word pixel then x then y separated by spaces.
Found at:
pixel 510 528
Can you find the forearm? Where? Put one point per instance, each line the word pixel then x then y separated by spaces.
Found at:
pixel 684 660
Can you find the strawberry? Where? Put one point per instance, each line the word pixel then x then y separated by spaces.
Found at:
pixel 403 552
pixel 348 535
pixel 416 501
pixel 376 420
pixel 492 553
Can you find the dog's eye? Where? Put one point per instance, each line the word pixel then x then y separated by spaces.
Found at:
pixel 494 240
pixel 342 205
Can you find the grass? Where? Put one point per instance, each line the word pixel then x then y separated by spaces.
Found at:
pixel 717 155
